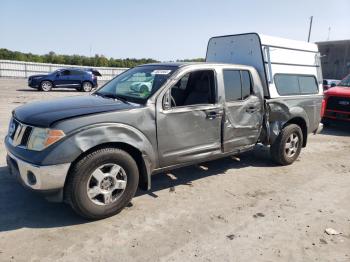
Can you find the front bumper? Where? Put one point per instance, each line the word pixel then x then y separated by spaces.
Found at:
pixel 319 129
pixel 337 115
pixel 32 83
pixel 38 178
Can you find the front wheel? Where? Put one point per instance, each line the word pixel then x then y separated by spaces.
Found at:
pixel 45 86
pixel 102 183
pixel 287 146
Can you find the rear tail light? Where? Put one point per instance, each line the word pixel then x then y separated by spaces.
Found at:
pixel 323 107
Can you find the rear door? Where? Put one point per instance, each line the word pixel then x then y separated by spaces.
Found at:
pixel 76 77
pixel 63 78
pixel 243 110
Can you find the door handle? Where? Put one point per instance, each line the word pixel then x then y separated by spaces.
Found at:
pixel 252 109
pixel 213 114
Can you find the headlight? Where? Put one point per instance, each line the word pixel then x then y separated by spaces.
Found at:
pixel 41 138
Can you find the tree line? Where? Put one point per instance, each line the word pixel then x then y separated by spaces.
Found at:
pixel 97 60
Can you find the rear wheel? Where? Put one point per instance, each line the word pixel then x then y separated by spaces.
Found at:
pixel 287 146
pixel 102 183
pixel 45 86
pixel 86 87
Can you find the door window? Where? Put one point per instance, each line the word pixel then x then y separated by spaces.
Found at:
pixel 65 72
pixel 238 84
pixel 193 89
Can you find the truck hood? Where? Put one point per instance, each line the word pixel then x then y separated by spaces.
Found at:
pixel 44 114
pixel 338 91
pixel 34 76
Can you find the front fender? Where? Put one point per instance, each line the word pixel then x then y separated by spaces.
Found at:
pixel 83 139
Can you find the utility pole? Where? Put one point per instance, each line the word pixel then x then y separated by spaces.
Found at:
pixel 329 33
pixel 308 39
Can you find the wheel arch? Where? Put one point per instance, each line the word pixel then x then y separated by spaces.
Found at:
pixel 299 121
pixel 46 80
pixel 136 154
pixel 281 115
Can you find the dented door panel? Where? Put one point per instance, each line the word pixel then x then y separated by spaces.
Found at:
pixel 188 134
pixel 242 123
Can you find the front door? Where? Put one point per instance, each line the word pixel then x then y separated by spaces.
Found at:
pixel 189 128
pixel 243 110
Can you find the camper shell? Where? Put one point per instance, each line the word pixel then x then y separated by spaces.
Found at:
pixel 268 55
pixel 283 66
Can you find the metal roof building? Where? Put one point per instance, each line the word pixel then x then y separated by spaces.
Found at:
pixel 335 58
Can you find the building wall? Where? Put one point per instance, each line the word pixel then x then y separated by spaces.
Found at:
pixel 335 58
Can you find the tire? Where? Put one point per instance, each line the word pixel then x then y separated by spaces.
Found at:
pixel 81 185
pixel 86 86
pixel 45 86
pixel 291 135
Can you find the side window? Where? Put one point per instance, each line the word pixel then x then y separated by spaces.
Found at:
pixel 287 84
pixel 238 84
pixel 73 72
pixel 308 85
pixel 246 84
pixel 232 82
pixel 296 84
pixel 194 88
pixel 65 72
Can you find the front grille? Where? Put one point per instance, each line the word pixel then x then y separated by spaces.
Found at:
pixel 26 135
pixel 19 133
pixel 338 103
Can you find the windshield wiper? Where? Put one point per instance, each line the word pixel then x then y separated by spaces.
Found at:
pixel 113 96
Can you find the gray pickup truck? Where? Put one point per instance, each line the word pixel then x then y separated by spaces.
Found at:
pixel 94 151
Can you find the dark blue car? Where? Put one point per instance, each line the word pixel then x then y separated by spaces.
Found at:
pixel 80 79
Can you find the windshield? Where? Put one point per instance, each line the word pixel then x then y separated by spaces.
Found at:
pixel 137 84
pixel 345 82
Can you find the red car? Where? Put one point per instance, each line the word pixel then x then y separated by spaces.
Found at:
pixel 337 102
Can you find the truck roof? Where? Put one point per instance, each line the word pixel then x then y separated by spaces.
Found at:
pixel 273 41
pixel 184 64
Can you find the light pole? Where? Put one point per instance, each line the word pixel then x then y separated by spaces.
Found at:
pixel 308 39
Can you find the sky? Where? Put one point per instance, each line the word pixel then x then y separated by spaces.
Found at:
pixel 161 29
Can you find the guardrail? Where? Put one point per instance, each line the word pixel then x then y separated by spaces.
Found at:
pixel 20 69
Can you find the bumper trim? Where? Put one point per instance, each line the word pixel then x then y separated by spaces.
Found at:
pixel 319 129
pixel 47 177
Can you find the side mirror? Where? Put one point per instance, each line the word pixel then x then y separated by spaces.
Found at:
pixel 167 101
pixel 333 85
pixel 57 75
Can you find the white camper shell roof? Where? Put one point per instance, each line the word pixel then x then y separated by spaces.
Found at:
pixel 269 55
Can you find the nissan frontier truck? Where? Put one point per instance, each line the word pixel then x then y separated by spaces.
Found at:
pixel 94 151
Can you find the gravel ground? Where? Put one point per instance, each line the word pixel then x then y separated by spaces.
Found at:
pixel 233 209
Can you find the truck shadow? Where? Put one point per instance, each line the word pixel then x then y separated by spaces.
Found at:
pixel 259 157
pixel 21 208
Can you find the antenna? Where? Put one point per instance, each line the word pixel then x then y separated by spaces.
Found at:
pixel 308 39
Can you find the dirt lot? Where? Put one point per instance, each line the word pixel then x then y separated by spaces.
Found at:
pixel 243 209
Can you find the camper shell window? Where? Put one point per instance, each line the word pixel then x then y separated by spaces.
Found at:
pixel 290 84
